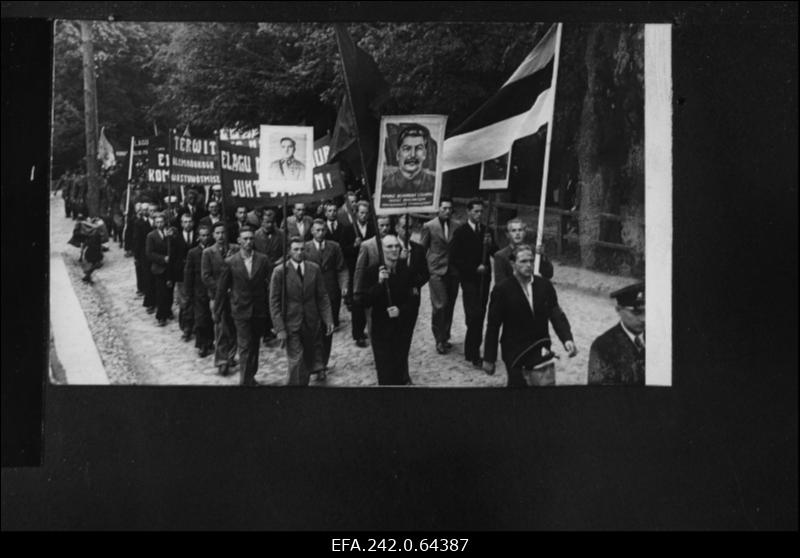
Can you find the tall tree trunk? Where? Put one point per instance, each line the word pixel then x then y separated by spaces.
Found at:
pixel 609 142
pixel 90 117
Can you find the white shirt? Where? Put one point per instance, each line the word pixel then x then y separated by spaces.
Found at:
pixel 320 245
pixel 332 226
pixel 527 288
pixel 301 227
pixel 473 226
pixel 363 229
pixel 187 236
pixel 632 336
pixel 248 264
pixel 299 266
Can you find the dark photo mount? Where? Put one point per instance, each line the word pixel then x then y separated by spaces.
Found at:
pixel 717 451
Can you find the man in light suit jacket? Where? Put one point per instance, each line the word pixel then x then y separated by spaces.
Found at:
pixel 212 263
pixel 157 248
pixel 245 279
pixel 435 239
pixel 308 313
pixel 328 256
pixel 299 224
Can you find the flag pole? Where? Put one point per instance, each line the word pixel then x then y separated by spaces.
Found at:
pixel 381 259
pixel 128 194
pixel 485 253
pixel 543 198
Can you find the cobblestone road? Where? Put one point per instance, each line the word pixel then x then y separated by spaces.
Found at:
pixel 140 352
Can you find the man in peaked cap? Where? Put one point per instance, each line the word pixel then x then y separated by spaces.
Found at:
pixel 617 356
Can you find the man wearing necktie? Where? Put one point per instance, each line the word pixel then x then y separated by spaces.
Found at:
pixel 182 243
pixel 435 239
pixel 307 316
pixel 470 248
pixel 617 356
pixel 158 254
pixel 245 279
pixel 328 256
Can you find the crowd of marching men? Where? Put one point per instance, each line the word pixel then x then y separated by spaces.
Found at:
pixel 258 277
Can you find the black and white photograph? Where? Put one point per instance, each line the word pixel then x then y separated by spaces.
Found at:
pixel 409 176
pixel 222 310
pixel 424 278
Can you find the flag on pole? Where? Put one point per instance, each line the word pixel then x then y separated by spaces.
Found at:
pixel 105 151
pixel 367 92
pixel 520 108
pixel 186 132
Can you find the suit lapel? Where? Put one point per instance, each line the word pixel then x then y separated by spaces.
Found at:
pixel 524 299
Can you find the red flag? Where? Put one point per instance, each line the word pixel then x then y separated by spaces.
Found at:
pixel 358 119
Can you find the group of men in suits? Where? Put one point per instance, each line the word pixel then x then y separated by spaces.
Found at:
pixel 228 279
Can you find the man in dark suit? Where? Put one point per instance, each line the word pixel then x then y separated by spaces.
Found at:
pixel 470 248
pixel 617 356
pixel 299 224
pixel 212 263
pixel 245 279
pixel 347 213
pixel 198 294
pixel 516 229
pixel 239 222
pixel 182 242
pixel 158 250
pixel 214 215
pixel 307 316
pixel 522 305
pixel 334 230
pixel 140 228
pixel 363 230
pixel 192 207
pixel 435 239
pixel 328 256
pixel 388 291
pixel 414 255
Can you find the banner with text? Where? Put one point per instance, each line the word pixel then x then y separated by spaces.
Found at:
pixel 195 161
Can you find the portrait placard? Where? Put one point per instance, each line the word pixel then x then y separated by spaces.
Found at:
pixel 409 169
pixel 494 173
pixel 286 160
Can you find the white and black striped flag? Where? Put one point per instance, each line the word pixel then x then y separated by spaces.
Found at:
pixel 520 108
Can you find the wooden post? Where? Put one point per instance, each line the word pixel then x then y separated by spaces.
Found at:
pixel 128 194
pixel 543 198
pixel 90 119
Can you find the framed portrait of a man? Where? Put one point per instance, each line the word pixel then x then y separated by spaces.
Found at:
pixel 286 159
pixel 409 167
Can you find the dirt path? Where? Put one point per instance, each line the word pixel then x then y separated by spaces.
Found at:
pixel 148 354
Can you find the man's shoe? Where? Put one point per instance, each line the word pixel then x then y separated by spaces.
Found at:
pixel 204 352
pixel 186 336
pixel 477 363
pixel 223 369
pixel 322 375
pixel 162 323
pixel 361 343
pixel 440 348
pixel 447 345
pixel 151 309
